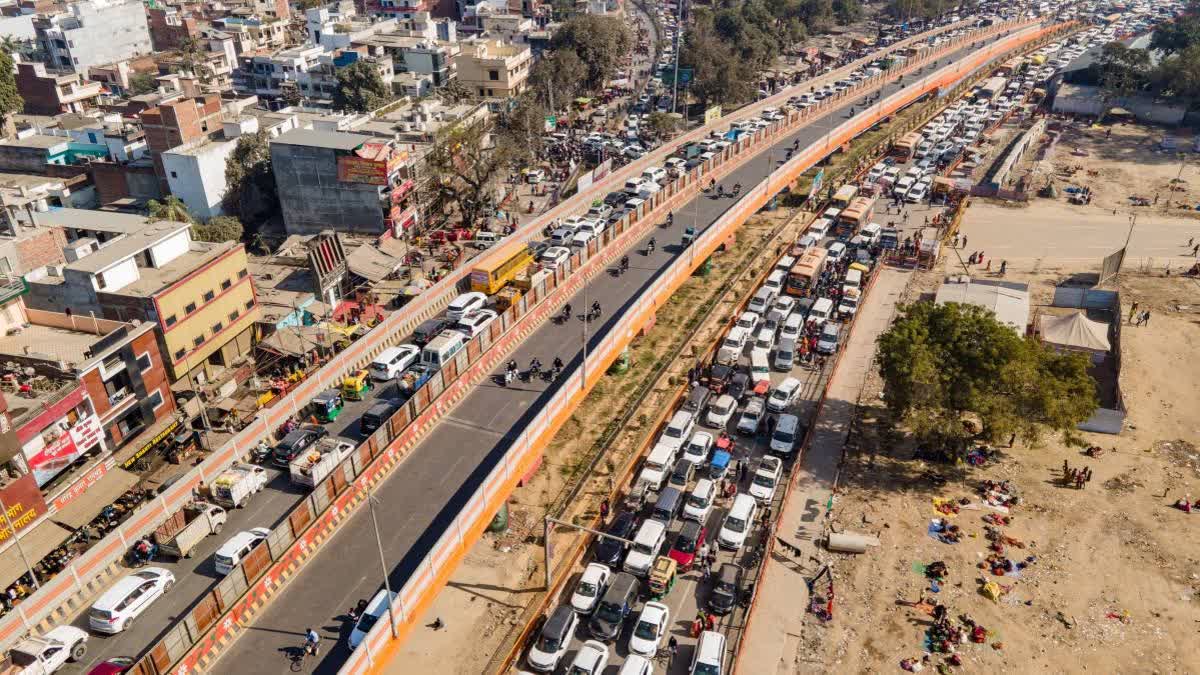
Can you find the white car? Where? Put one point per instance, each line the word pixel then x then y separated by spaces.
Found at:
pixel 555 257
pixel 650 629
pixel 752 416
pixel 916 194
pixel 836 250
pixel 376 609
pixel 636 665
pixel 765 479
pixel 590 588
pixel 474 323
pixel 591 659
pixel 749 321
pixel 784 395
pixel 699 501
pixel 646 544
pixel 696 451
pixel 239 546
pixel 720 411
pixel 465 304
pixel 120 605
pixel 393 361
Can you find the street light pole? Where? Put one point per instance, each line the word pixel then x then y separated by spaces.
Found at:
pixel 387 585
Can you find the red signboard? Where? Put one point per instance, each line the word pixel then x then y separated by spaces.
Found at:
pixel 80 486
pixel 61 452
pixel 23 501
pixel 353 169
pixel 50 415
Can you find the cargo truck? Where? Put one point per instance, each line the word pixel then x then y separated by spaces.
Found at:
pixel 315 463
pixel 235 486
pixel 191 524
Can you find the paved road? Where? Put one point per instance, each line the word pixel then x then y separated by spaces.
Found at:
pixel 772 642
pixel 430 487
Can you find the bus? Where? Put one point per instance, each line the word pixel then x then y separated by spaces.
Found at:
pixel 806 271
pixel 841 199
pixel 497 270
pixel 856 215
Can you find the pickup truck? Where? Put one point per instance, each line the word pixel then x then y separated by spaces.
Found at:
pixel 188 527
pixel 315 463
pixel 235 486
pixel 45 654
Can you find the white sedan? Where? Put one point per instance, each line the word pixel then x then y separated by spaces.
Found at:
pixel 696 451
pixel 650 629
pixel 721 411
pixel 590 588
pixel 766 477
pixel 555 257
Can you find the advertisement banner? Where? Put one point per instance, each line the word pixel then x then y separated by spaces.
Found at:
pixel 23 501
pixel 585 181
pixel 602 170
pixel 81 486
pixel 712 115
pixel 816 184
pixel 352 169
pixel 60 453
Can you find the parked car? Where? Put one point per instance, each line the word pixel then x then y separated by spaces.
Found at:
pixel 827 343
pixel 590 588
pixel 465 304
pixel 765 479
pixel 752 416
pixel 610 551
pixel 554 257
pixel 376 609
pixel 783 396
pixel 720 412
pixel 591 659
pixel 697 449
pixel 554 639
pixel 232 552
pixel 650 629
pixel 691 535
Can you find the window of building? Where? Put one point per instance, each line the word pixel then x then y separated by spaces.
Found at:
pixel 209 295
pixel 191 307
pixel 226 284
pixel 174 174
pixel 144 362
pixel 156 400
pixel 100 282
pixel 491 92
pixel 242 274
pixel 493 75
pixel 179 353
pixel 250 304
pixel 234 315
pixel 171 321
pixel 217 327
pixel 198 341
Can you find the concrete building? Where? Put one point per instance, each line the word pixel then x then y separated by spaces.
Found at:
pixel 198 294
pixel 170 27
pixel 48 93
pixel 494 70
pixel 253 35
pixel 417 55
pixel 310 69
pixel 340 181
pixel 178 122
pixel 94 32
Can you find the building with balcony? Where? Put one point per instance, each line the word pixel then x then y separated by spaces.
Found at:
pixel 417 55
pixel 253 35
pixel 93 32
pixel 341 181
pixel 494 70
pixel 170 27
pixel 49 93
pixel 310 69
pixel 198 294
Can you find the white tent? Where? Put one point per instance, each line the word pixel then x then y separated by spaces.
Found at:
pixel 1076 331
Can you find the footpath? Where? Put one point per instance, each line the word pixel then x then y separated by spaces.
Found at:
pixel 772 641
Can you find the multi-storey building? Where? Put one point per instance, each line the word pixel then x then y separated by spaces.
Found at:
pixel 94 32
pixel 54 93
pixel 494 70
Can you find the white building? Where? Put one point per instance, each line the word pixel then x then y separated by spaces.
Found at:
pixel 93 33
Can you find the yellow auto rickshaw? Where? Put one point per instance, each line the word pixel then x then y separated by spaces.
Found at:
pixel 356 385
pixel 662 577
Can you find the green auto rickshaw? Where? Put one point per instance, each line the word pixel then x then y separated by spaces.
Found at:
pixel 327 405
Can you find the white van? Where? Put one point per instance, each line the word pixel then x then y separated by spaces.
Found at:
pixel 738 522
pixel 239 546
pixel 733 346
pixel 393 361
pixel 785 264
pixel 783 439
pixel 655 174
pixel 709 655
pixel 657 466
pixel 821 311
pixel 853 279
pixel 465 304
pixel 633 204
pixel 775 281
pixel 443 348
pixel 760 369
pixel 646 545
pixel 792 326
pixel 679 429
pixel 820 228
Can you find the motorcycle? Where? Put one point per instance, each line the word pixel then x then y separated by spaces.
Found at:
pixel 509 376
pixel 261 452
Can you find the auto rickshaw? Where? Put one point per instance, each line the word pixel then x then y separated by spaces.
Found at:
pixel 662 577
pixel 689 234
pixel 327 405
pixel 356 385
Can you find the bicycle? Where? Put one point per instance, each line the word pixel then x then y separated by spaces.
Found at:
pixel 298 657
pixel 663 657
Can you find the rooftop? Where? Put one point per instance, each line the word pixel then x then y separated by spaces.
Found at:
pixel 334 140
pixel 50 342
pixel 44 390
pixel 154 279
pixel 129 245
pixel 1009 301
pixel 87 219
pixel 42 141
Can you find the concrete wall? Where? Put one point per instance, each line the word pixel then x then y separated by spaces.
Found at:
pixel 1085 100
pixel 312 197
pixel 198 177
pixel 109 34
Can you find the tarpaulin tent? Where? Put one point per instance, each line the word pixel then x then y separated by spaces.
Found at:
pixel 1076 331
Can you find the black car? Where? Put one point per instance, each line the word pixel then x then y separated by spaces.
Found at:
pixel 615 199
pixel 610 551
pixel 727 585
pixel 738 384
pixel 682 474
pixel 295 442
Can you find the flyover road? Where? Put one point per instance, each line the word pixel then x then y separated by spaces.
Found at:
pixel 439 480
pixel 429 488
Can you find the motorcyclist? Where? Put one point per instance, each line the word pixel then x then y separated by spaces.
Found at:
pixel 720 190
pixel 596 307
pixel 567 311
pixel 737 187
pixel 650 246
pixel 670 218
pixel 558 363
pixel 624 263
pixel 358 610
pixel 535 366
pixel 312 641
pixel 512 365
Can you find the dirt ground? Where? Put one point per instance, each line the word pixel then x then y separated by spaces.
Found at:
pixel 1114 581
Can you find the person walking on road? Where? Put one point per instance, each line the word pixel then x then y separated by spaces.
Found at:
pixel 1132 310
pixel 604 510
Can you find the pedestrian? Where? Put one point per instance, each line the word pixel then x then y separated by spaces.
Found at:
pixel 712 557
pixel 766 517
pixel 1079 481
pixel 1196 250
pixel 989 266
pixel 1146 318
pixel 705 571
pixel 742 471
pixel 1132 310
pixel 964 241
pixel 604 510
pixel 704 551
pixel 1156 199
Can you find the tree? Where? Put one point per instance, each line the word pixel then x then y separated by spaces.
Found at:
pixel 11 102
pixel 465 162
pixel 944 365
pixel 218 228
pixel 602 44
pixel 195 60
pixel 250 192
pixel 1123 71
pixel 663 124
pixel 455 92
pixel 557 78
pixel 720 76
pixel 522 127
pixel 172 208
pixel 1171 37
pixel 847 11
pixel 360 88
pixel 143 83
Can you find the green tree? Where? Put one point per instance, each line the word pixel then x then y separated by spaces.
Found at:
pixel 522 127
pixel 847 11
pixel 1171 37
pixel 664 124
pixel 465 162
pixel 455 92
pixel 944 365
pixel 1123 72
pixel 143 83
pixel 11 102
pixel 360 88
pixel 172 208
pixel 250 192
pixel 720 75
pixel 557 78
pixel 602 44
pixel 218 228
pixel 194 59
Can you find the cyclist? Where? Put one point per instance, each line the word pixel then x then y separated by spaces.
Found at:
pixel 650 246
pixel 312 642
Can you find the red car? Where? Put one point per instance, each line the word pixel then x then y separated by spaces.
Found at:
pixel 113 666
pixel 683 551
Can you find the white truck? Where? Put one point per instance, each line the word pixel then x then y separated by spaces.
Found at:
pixel 45 654
pixel 188 527
pixel 235 486
pixel 316 462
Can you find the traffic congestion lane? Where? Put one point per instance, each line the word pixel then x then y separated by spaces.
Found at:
pixel 423 495
pixel 197 575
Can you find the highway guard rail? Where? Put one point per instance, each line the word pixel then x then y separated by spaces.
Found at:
pixel 415 595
